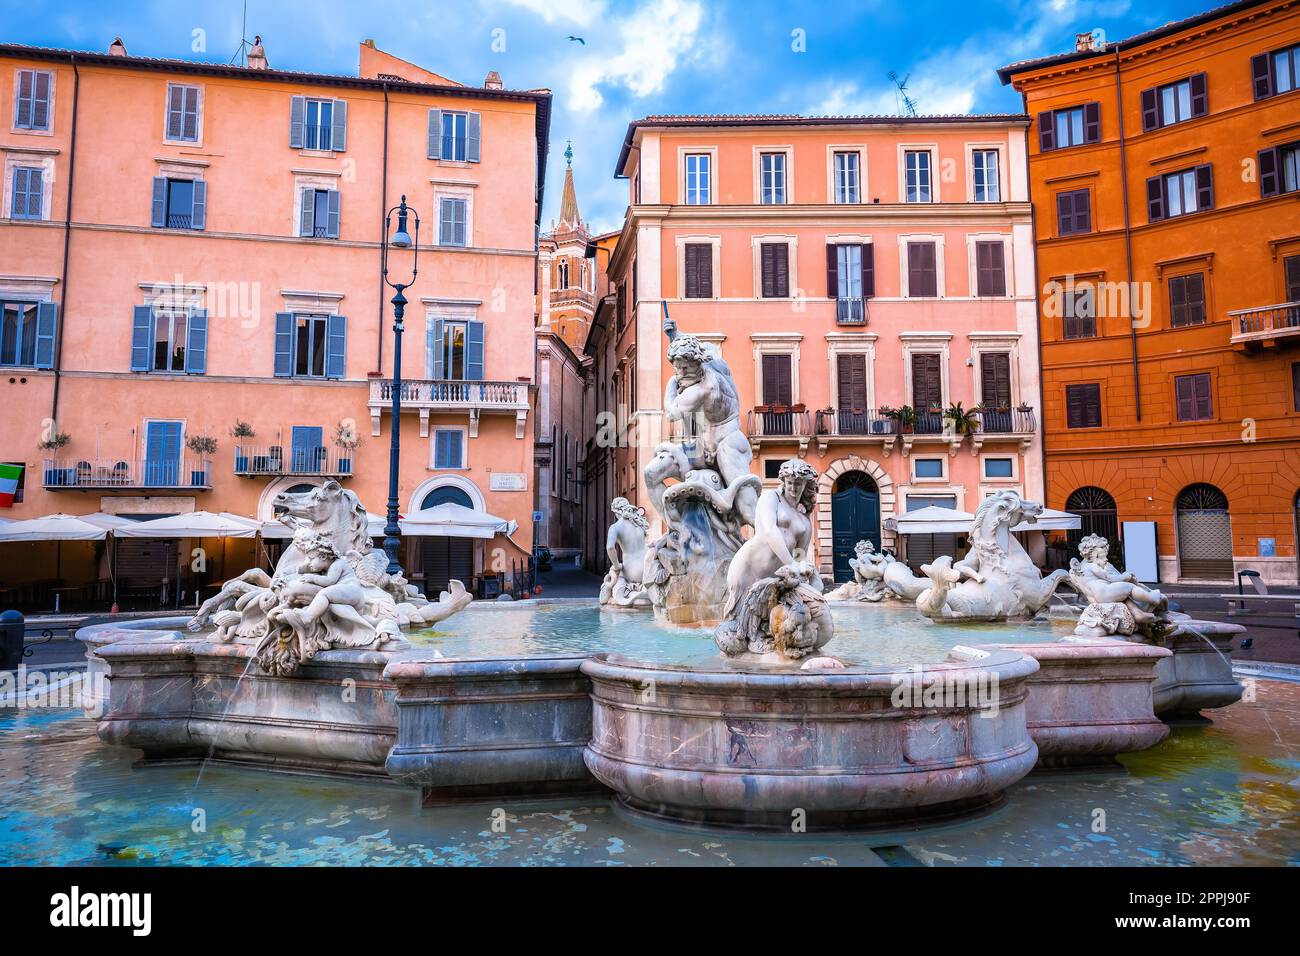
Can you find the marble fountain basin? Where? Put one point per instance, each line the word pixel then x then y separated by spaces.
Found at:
pixel 545 698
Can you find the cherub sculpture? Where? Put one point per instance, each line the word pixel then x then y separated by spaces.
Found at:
pixel 868 582
pixel 1117 603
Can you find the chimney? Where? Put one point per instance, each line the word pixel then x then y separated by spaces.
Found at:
pixel 1085 43
pixel 257 55
pixel 117 47
pixel 492 81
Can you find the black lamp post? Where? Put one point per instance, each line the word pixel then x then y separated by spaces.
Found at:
pixel 402 239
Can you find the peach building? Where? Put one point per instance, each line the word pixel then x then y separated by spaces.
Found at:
pixel 862 277
pixel 193 251
pixel 1164 174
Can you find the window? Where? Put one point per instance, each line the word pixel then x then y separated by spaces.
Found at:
pixel 1083 406
pixel 310 345
pixel 179 203
pixel 455 349
pixel 448 448
pixel 15 471
pixel 451 223
pixel 778 388
pixel 1192 394
pixel 930 469
pixel 698 181
pixel 18 333
pixel 1073 212
pixel 771 178
pixel 182 113
pixel 995 391
pixel 999 468
pixel 772 468
pixel 1181 193
pixel 1187 300
pixel 32 100
pixel 850 279
pixel 168 340
pixel 1291 276
pixel 1075 126
pixel 307 449
pixel 320 214
pixel 774 266
pixel 1174 102
pixel 698 264
pixel 309 342
pixel 1276 72
pixel 454 135
pixel 987 186
pixel 454 130
pixel 846 178
pixel 922 274
pixel 851 385
pixel 26 199
pixel 927 392
pixel 990 268
pixel 1279 170
pixel 1079 310
pixel 916 172
pixel 318 124
pixel 1295 386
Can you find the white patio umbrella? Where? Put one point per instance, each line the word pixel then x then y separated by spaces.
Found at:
pixel 194 524
pixel 1051 520
pixel 455 521
pixel 55 527
pixel 931 519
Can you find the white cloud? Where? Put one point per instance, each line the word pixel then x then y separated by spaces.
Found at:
pixel 654 40
pixel 581 12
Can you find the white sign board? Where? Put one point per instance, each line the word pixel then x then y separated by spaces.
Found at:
pixel 508 481
pixel 1140 550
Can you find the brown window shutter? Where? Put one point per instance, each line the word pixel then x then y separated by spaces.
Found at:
pixel 1261 76
pixel 868 270
pixel 851 372
pixel 1204 186
pixel 1093 406
pixel 1270 177
pixel 1202 395
pixel 1295 386
pixel 990 269
pixel 1195 299
pixel 1150 110
pixel 1092 123
pixel 927 388
pixel 699 270
pixel 1155 199
pixel 1291 270
pixel 777 380
pixel 922 279
pixel 766 270
pixel 1178 301
pixel 692 279
pixel 1046 131
pixel 774 263
pixel 995 380
pixel 1200 94
pixel 1082 211
pixel 782 270
pixel 832 271
pixel 1064 214
pixel 1073 406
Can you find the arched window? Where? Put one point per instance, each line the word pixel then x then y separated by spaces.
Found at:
pixel 1097 514
pixel 447 494
pixel 1204 534
pixel 563 273
pixel 1202 497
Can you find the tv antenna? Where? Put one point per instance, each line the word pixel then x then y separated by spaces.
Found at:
pixel 905 103
pixel 241 54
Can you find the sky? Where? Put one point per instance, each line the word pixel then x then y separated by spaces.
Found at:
pixel 633 59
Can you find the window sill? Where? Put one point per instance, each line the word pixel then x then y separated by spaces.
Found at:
pixel 319 153
pixel 185 143
pixel 454 163
pixel 31 132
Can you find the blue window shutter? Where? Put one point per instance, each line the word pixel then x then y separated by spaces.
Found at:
pixel 47 317
pixel 23 99
pixel 159 217
pixel 196 342
pixel 34 191
pixel 472 126
pixel 454 457
pixel 474 350
pixel 339 134
pixel 200 207
pixel 336 346
pixel 459 212
pixel 440 449
pixel 308 224
pixel 141 337
pixel 41 101
pixel 439 331
pixel 332 223
pixel 297 121
pixel 435 134
pixel 175 112
pixel 284 329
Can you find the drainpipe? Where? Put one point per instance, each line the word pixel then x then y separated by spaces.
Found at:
pixel 1128 238
pixel 383 211
pixel 67 240
pixel 1033 229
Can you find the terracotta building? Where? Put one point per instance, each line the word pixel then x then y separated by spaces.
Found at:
pixel 1167 216
pixel 862 277
pixel 193 251
pixel 605 450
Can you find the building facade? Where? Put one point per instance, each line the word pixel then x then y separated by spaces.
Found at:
pixel 1163 174
pixel 193 253
pixel 870 283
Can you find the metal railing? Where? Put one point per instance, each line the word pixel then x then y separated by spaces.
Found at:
pixel 778 422
pixel 851 311
pixel 1011 421
pixel 192 473
pixel 446 393
pixel 254 460
pixel 850 421
pixel 1266 321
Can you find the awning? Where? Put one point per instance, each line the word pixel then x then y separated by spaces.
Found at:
pixel 55 527
pixel 931 519
pixel 1051 520
pixel 194 524
pixel 275 530
pixel 455 521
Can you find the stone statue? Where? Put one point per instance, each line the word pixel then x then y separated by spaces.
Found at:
pixel 996 580
pixel 702 487
pixel 1117 603
pixel 868 582
pixel 624 584
pixel 775 607
pixel 330 589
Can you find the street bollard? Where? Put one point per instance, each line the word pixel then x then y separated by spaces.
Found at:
pixel 12 627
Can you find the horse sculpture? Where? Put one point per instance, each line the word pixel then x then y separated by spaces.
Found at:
pixel 996 580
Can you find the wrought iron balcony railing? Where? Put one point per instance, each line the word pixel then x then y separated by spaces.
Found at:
pixel 427 396
pixel 253 460
pixel 778 422
pixel 851 311
pixel 1011 421
pixel 192 474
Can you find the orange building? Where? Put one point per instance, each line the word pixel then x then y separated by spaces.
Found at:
pixel 192 252
pixel 1163 173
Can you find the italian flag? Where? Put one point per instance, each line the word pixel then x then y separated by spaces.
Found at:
pixel 9 475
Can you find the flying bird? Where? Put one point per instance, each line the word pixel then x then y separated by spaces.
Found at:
pixel 579 39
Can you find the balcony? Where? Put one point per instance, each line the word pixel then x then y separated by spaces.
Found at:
pixel 778 423
pixel 444 396
pixel 851 311
pixel 253 461
pixel 86 474
pixel 1261 328
pixel 1012 424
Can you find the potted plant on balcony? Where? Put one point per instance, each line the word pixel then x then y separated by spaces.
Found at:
pixel 55 476
pixel 241 429
pixel 965 421
pixel 347 440
pixel 903 417
pixel 205 446
pixel 824 415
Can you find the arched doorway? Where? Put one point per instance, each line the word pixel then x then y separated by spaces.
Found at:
pixel 1296 529
pixel 1204 533
pixel 855 516
pixel 447 494
pixel 1097 515
pixel 443 558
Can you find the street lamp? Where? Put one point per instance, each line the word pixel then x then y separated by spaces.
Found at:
pixel 402 239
